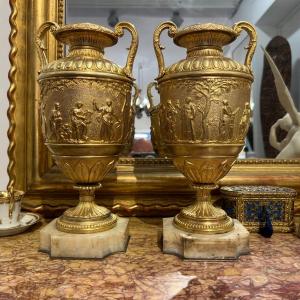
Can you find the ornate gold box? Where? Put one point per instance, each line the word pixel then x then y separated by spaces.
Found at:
pixel 246 202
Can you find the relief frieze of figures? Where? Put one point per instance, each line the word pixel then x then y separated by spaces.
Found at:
pixel 74 124
pixel 209 105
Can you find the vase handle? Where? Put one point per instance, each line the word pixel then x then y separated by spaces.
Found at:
pixel 119 31
pixel 41 48
pixel 135 96
pixel 149 94
pixel 172 29
pixel 238 27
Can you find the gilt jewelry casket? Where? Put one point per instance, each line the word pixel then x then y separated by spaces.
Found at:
pixel 246 203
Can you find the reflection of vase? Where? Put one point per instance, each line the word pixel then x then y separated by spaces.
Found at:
pixel 130 135
pixel 156 133
pixel 205 113
pixel 87 117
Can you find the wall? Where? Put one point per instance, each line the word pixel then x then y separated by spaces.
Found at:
pixel 4 84
pixel 294 41
pixel 271 18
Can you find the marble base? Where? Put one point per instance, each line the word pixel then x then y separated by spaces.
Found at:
pixel 92 245
pixel 223 246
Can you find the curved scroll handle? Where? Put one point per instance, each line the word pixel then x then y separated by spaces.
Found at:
pixel 119 31
pixel 238 27
pixel 172 29
pixel 149 94
pixel 41 48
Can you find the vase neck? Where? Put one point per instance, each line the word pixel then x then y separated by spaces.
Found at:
pixel 86 51
pixel 204 51
pixel 86 39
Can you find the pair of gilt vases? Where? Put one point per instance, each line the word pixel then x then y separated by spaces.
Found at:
pixel 88 112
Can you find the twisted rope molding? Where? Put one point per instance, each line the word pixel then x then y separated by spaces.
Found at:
pixel 60 21
pixel 11 95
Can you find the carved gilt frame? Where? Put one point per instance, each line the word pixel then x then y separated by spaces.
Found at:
pixel 136 186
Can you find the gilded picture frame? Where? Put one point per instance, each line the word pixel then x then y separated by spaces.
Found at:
pixel 143 187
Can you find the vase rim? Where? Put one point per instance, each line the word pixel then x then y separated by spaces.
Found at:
pixel 207 33
pixel 88 33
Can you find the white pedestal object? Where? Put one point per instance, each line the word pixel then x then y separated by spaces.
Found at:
pixel 223 246
pixel 91 245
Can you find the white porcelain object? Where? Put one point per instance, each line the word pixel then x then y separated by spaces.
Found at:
pixel 7 221
pixel 25 221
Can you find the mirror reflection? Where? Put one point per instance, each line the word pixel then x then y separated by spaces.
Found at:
pixel 271 132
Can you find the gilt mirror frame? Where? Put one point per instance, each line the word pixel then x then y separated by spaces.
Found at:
pixel 141 187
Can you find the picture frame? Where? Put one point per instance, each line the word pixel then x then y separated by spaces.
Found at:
pixel 137 186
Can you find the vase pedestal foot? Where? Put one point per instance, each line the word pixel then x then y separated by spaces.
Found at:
pixel 87 217
pixel 197 246
pixel 91 245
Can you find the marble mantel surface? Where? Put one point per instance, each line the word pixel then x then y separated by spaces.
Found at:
pixel 271 271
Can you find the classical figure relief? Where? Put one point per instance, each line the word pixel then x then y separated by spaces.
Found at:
pixel 190 114
pixel 76 129
pixel 43 121
pixel 129 136
pixel 80 119
pixel 66 132
pixel 205 115
pixel 77 125
pixel 212 125
pixel 215 116
pixel 109 123
pixel 56 121
pixel 244 122
pixel 228 121
pixel 171 113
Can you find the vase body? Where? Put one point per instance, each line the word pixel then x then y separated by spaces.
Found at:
pixel 205 114
pixel 86 112
pixel 156 133
pixel 157 138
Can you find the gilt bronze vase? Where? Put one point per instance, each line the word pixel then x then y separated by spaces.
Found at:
pixel 205 112
pixel 86 112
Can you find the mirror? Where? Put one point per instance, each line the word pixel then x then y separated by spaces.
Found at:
pixel 278 28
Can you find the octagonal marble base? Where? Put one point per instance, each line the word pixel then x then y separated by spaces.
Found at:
pixel 223 246
pixel 91 245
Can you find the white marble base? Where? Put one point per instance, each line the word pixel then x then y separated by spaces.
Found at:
pixel 224 246
pixel 92 245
